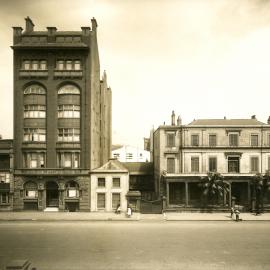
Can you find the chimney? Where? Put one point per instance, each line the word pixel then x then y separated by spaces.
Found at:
pixel 94 24
pixel 253 116
pixel 179 121
pixel 85 30
pixel 173 118
pixel 29 25
pixel 268 120
pixel 51 30
pixel 17 34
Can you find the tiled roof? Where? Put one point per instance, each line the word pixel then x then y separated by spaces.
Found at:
pixel 225 122
pixel 116 146
pixel 139 167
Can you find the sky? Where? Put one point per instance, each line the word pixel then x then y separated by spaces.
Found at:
pixel 200 58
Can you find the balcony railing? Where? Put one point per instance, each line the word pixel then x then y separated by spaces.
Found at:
pixel 68 73
pixel 33 73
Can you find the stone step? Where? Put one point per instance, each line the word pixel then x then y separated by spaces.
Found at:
pixel 51 209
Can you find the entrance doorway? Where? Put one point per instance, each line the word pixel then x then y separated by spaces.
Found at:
pixel 239 190
pixel 177 193
pixel 52 194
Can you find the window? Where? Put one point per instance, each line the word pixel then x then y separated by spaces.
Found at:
pixel 34 160
pixel 233 165
pixel 254 164
pixel 68 65
pixel 30 190
pixel 268 140
pixel 101 202
pixel 34 89
pixel 26 65
pixel 116 155
pixel 69 160
pixel 60 65
pixel 170 139
pixel 34 111
pixel 254 139
pixel 195 140
pixel 69 89
pixel 77 65
pixel 115 200
pixel 269 163
pixel 72 189
pixel 129 156
pixel 4 198
pixel 101 182
pixel 116 182
pixel 34 135
pixel 4 177
pixel 43 64
pixel 68 134
pixel 34 65
pixel 170 165
pixel 194 164
pixel 68 111
pixel 212 164
pixel 233 139
pixel 212 140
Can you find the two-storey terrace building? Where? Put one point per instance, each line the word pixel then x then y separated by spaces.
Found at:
pixel 62 117
pixel 183 154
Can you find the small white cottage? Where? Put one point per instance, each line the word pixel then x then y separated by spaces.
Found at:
pixel 109 187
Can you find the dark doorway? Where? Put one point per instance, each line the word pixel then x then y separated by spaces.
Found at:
pixel 240 192
pixel 194 194
pixel 52 194
pixel 177 193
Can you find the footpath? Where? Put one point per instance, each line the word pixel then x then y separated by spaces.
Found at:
pixel 98 216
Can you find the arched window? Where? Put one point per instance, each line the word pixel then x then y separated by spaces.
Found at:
pixel 69 89
pixel 72 189
pixel 30 189
pixel 34 89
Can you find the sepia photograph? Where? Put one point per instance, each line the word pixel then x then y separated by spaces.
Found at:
pixel 134 134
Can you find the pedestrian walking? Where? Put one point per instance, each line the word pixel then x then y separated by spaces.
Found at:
pixel 237 215
pixel 232 212
pixel 129 212
pixel 118 209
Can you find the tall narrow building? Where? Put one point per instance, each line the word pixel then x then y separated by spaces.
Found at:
pixel 62 117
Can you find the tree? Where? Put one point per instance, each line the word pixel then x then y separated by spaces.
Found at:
pixel 214 187
pixel 260 187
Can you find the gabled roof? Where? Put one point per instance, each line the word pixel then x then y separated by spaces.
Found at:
pixel 226 122
pixel 116 146
pixel 113 165
pixel 139 168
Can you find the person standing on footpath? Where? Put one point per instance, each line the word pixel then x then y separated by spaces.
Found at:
pixel 129 212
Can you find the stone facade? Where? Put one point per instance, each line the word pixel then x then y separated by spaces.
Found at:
pixel 183 154
pixel 62 117
pixel 109 187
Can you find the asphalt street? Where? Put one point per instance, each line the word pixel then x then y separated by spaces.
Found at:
pixel 137 245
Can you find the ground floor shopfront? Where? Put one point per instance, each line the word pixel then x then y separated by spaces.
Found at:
pixel 185 193
pixel 47 192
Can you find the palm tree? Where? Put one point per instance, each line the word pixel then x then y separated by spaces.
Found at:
pixel 260 186
pixel 214 187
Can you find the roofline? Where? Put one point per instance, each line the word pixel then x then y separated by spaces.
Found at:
pixel 217 126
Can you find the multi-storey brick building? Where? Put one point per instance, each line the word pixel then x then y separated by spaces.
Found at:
pixel 62 117
pixel 183 154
